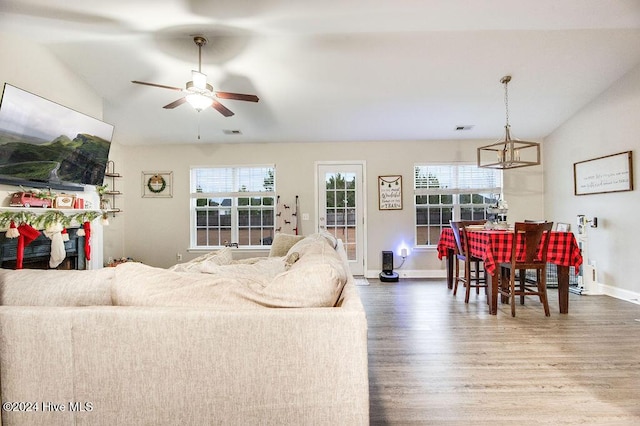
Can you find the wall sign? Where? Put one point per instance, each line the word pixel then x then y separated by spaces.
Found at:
pixel 611 173
pixel 390 192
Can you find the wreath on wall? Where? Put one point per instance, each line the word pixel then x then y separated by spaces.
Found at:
pixel 156 184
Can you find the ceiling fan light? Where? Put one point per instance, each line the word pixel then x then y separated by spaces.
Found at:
pixel 198 101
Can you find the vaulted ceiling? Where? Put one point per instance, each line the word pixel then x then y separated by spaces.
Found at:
pixel 338 70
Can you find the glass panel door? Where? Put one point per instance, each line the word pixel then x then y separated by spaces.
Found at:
pixel 340 208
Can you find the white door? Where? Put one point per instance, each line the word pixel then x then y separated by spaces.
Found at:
pixel 341 208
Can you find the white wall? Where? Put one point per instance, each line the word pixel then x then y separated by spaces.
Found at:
pixel 158 228
pixel 608 125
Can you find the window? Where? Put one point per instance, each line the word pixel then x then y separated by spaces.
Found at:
pixel 445 192
pixel 232 205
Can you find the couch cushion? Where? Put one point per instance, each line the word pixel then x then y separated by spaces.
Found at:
pixel 282 243
pixel 33 287
pixel 229 287
pixel 223 256
pixel 308 285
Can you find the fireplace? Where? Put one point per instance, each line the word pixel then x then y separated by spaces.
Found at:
pixel 36 254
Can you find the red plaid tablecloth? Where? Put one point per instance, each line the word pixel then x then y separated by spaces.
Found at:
pixel 494 247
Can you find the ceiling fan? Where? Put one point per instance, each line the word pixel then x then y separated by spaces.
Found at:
pixel 199 93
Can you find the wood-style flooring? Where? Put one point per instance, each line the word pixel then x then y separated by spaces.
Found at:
pixel 435 360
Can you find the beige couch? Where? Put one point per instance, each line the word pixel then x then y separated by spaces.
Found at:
pixel 69 353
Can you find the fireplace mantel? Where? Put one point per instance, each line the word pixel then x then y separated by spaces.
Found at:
pixel 42 245
pixel 37 254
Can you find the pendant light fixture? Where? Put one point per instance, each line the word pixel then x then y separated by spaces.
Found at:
pixel 508 153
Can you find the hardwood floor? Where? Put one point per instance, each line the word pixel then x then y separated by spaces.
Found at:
pixel 435 360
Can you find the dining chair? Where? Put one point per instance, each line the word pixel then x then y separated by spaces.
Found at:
pixel 535 237
pixel 473 277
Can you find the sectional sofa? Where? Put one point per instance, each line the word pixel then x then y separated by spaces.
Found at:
pixel 280 340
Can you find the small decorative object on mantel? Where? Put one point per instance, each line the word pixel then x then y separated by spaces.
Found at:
pixel 157 184
pixel 32 198
pixel 390 192
pixel 65 201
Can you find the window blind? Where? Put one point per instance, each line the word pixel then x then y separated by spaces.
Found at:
pixel 233 180
pixel 455 179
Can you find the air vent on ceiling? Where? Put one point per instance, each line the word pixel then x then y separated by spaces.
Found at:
pixel 467 127
pixel 232 132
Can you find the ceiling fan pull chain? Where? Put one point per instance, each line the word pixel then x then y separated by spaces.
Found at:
pixel 198 125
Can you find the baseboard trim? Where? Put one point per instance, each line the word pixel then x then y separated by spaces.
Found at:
pixel 601 289
pixel 413 273
pixel 619 293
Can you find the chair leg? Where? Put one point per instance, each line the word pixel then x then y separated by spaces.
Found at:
pixel 467 276
pixel 512 291
pixel 456 276
pixel 538 282
pixel 523 277
pixel 505 275
pixel 542 288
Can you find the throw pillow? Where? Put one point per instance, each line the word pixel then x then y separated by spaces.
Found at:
pixel 282 243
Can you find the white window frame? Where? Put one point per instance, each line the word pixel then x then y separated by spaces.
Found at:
pixel 455 187
pixel 234 182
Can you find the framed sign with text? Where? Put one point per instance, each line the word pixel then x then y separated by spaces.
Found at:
pixel 611 173
pixel 390 192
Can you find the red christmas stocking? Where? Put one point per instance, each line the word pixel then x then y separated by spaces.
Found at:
pixel 27 234
pixel 87 237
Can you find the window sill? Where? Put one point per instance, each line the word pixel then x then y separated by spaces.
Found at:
pixel 246 249
pixel 425 248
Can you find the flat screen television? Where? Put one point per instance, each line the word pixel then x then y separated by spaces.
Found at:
pixel 46 145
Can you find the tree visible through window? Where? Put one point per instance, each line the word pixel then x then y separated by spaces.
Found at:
pixel 445 192
pixel 232 205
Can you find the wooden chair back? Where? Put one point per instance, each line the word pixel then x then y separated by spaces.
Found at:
pixel 459 234
pixel 456 227
pixel 535 236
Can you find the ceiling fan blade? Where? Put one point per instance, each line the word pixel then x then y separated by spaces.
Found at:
pixel 221 108
pixel 237 96
pixel 174 104
pixel 157 85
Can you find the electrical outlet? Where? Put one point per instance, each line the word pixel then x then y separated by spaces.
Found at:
pixel 179 256
pixel 305 216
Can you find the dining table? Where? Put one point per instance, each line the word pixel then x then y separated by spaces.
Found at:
pixel 493 247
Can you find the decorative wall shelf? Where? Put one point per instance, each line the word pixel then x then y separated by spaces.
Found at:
pixel 113 192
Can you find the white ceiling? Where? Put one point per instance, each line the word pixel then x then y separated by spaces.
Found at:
pixel 339 70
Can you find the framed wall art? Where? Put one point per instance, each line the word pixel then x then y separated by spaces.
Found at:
pixel 611 173
pixel 157 184
pixel 64 201
pixel 390 192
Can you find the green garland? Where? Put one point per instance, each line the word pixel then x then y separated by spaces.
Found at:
pixel 17 217
pixel 45 219
pixel 152 189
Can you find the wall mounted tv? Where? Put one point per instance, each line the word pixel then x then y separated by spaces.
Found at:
pixel 46 145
